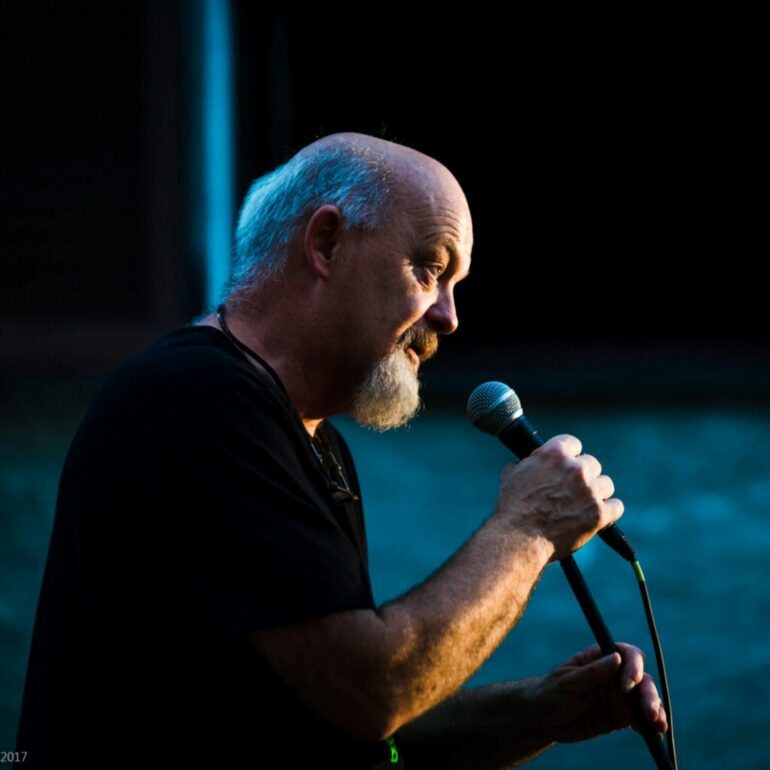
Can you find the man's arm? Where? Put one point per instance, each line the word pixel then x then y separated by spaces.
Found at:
pixel 372 672
pixel 484 728
pixel 506 725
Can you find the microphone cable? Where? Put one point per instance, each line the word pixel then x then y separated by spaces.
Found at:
pixel 661 665
pixel 494 408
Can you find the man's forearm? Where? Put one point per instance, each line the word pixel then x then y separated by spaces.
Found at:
pixel 485 728
pixel 444 629
pixel 370 672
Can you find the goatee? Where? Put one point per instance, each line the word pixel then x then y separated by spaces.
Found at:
pixel 389 396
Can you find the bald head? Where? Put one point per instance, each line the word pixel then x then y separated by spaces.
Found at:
pixel 370 180
pixel 411 174
pixel 402 161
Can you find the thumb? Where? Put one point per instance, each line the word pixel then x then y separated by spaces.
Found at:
pixel 589 675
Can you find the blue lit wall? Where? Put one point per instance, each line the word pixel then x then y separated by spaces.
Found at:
pixel 217 143
pixel 211 145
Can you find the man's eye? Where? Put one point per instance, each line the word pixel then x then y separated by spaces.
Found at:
pixel 436 268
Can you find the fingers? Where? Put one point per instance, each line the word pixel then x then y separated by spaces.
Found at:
pixel 601 485
pixel 605 487
pixel 569 445
pixel 588 655
pixel 559 495
pixel 652 708
pixel 605 681
pixel 613 509
pixel 633 666
pixel 633 675
pixel 591 467
pixel 586 675
pixel 604 668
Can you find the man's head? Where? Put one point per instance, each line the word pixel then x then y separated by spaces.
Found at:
pixel 373 242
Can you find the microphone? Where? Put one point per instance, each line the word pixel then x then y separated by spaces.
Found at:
pixel 495 408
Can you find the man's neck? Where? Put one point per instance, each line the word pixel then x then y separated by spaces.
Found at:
pixel 250 339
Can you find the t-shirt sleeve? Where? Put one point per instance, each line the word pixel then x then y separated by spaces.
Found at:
pixel 257 542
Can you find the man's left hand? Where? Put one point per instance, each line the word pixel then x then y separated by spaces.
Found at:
pixel 585 696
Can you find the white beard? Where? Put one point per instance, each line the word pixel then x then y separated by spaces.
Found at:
pixel 389 396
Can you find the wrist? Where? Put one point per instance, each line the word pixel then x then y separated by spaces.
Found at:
pixel 522 538
pixel 529 696
pixel 532 715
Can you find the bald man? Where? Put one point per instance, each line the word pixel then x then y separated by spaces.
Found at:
pixel 207 600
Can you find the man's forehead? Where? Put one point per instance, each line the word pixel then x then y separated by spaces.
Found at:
pixel 433 207
pixel 442 212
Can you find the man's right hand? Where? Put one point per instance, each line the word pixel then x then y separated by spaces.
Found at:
pixel 558 494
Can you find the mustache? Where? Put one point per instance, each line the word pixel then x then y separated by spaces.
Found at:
pixel 424 342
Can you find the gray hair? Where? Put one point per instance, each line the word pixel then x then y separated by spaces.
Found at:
pixel 350 176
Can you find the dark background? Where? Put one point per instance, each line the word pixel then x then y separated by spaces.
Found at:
pixel 612 165
pixel 615 164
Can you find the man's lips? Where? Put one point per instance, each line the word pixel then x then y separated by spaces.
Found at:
pixel 420 343
pixel 413 355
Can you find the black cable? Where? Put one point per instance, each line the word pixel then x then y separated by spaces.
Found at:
pixel 663 679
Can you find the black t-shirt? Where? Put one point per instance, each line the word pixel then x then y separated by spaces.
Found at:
pixel 192 510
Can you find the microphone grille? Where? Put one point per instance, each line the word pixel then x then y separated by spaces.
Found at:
pixel 493 406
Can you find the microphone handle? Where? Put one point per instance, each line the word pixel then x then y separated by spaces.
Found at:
pixel 522 439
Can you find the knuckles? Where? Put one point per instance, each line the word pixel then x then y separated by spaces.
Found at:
pixel 553 451
pixel 554 463
pixel 595 514
pixel 576 473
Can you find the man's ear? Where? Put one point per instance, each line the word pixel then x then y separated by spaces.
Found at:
pixel 321 240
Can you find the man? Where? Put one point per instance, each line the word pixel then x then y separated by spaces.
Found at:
pixel 206 599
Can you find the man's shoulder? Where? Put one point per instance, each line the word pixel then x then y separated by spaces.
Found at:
pixel 184 373
pixel 188 350
pixel 190 358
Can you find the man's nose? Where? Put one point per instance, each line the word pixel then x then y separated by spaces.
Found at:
pixel 442 314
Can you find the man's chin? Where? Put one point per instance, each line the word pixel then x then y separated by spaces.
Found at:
pixel 390 395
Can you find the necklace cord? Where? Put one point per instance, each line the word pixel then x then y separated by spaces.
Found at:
pixel 340 490
pixel 246 349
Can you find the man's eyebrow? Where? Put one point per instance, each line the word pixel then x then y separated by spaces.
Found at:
pixel 446 243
